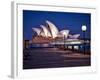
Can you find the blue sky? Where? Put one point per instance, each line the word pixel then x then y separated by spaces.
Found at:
pixel 63 20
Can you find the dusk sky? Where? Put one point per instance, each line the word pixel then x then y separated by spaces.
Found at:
pixel 62 20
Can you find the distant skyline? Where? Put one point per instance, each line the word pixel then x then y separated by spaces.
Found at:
pixel 63 20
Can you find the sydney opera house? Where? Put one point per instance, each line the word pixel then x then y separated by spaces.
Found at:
pixel 50 33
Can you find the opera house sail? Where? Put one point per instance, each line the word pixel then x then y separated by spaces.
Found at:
pixel 53 29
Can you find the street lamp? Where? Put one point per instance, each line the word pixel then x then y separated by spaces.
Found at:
pixel 84 28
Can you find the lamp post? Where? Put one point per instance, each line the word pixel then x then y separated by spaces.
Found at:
pixel 84 28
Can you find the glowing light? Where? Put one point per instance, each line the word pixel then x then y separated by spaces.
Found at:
pixel 84 27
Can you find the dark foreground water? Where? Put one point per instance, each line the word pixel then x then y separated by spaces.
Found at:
pixel 35 58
